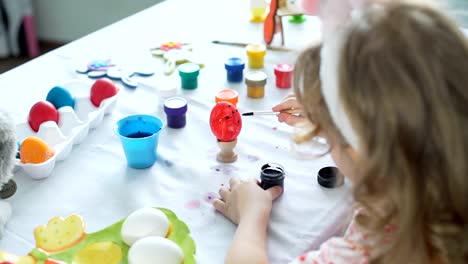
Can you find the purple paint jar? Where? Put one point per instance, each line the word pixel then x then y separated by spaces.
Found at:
pixel 175 109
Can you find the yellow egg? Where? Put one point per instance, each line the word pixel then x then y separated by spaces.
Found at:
pixel 35 150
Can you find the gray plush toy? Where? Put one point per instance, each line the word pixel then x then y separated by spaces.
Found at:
pixel 8 149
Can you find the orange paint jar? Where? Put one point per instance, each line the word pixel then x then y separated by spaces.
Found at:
pixel 227 95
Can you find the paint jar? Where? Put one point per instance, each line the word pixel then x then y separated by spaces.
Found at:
pixel 188 73
pixel 255 82
pixel 283 73
pixel 234 68
pixel 166 91
pixel 227 95
pixel 256 54
pixel 271 174
pixel 330 177
pixel 176 109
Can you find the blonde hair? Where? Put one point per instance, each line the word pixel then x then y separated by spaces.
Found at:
pixel 403 81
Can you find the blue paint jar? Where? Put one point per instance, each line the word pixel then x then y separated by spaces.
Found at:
pixel 175 109
pixel 234 68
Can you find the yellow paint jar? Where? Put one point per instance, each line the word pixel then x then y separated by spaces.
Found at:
pixel 256 54
pixel 256 82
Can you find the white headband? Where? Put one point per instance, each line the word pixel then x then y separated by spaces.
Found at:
pixel 330 59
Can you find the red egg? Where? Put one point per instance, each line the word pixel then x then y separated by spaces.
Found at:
pixel 102 89
pixel 225 121
pixel 41 112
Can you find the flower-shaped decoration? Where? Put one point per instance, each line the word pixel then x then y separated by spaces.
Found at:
pixel 166 46
pixel 225 121
pixel 175 53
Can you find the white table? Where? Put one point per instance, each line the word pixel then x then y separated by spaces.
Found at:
pixel 95 182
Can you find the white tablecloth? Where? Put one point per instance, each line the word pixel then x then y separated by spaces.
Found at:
pixel 95 182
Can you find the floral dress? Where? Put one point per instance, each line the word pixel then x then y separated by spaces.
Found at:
pixel 354 248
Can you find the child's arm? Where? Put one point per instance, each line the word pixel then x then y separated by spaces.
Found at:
pixel 249 206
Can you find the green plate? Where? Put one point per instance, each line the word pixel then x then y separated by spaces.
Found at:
pixel 180 235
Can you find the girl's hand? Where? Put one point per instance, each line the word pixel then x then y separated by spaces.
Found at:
pixel 289 102
pixel 246 200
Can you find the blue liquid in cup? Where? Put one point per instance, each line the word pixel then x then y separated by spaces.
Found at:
pixel 139 135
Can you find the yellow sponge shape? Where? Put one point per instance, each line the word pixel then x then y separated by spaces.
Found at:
pixel 59 233
pixel 6 257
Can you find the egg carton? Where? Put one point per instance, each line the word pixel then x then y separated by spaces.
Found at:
pixel 73 127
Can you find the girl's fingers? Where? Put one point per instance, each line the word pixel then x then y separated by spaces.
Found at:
pixel 275 192
pixel 289 119
pixel 233 182
pixel 287 103
pixel 223 192
pixel 219 206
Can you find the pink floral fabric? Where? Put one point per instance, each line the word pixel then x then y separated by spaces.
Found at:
pixel 354 248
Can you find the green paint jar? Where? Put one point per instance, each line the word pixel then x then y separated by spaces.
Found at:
pixel 188 73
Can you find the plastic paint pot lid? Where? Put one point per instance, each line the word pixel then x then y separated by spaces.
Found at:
pixel 227 95
pixel 330 177
pixel 175 106
pixel 189 70
pixel 256 50
pixel 257 78
pixel 234 64
pixel 284 68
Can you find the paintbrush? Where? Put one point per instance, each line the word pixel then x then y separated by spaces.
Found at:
pixel 288 111
pixel 239 44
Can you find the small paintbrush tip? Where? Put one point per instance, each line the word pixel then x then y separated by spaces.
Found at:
pixel 248 114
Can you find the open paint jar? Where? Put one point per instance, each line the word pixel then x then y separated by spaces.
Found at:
pixel 227 95
pixel 256 82
pixel 256 54
pixel 283 73
pixel 235 70
pixel 271 174
pixel 176 109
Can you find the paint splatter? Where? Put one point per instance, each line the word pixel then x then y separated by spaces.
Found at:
pixel 274 128
pixel 168 163
pixel 194 204
pixel 209 197
pixel 224 169
pixel 253 158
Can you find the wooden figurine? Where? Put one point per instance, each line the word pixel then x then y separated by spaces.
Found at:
pixel 226 123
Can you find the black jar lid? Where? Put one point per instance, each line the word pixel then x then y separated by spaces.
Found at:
pixel 330 177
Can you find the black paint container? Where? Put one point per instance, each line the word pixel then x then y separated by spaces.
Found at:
pixel 271 174
pixel 330 177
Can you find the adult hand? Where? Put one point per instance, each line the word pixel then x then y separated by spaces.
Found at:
pixel 290 102
pixel 246 200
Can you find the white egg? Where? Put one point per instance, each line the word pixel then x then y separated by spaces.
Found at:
pixel 144 222
pixel 150 250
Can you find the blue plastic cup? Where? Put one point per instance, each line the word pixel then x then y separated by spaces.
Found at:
pixel 139 135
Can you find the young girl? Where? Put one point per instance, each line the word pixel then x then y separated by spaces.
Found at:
pixel 390 94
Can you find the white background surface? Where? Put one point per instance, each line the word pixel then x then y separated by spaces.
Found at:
pixel 95 182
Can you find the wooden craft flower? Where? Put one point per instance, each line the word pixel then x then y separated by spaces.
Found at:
pixel 225 121
pixel 175 53
pixel 166 46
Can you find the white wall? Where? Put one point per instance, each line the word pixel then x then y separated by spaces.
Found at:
pixel 67 20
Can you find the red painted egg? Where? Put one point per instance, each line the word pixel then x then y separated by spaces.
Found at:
pixel 225 121
pixel 41 112
pixel 102 89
